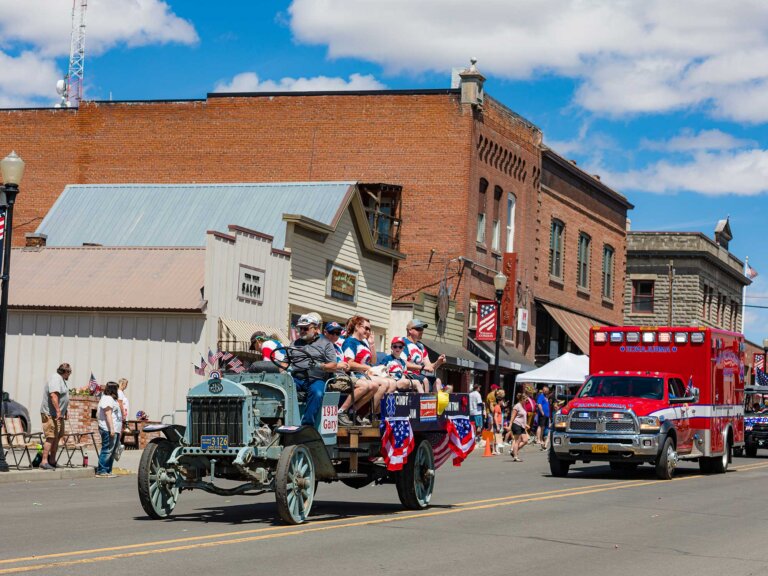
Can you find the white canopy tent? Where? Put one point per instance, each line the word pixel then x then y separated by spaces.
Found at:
pixel 567 369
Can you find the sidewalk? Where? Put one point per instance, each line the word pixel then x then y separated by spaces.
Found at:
pixel 128 464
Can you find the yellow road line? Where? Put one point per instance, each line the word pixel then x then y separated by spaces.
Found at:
pixel 331 525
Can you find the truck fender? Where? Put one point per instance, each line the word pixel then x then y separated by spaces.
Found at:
pixel 174 432
pixel 309 437
pixel 667 429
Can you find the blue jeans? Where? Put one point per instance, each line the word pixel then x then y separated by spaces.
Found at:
pixel 107 454
pixel 315 390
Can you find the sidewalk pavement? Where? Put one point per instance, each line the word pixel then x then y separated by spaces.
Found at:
pixel 128 464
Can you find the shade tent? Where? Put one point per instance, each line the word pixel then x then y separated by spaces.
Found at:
pixel 567 369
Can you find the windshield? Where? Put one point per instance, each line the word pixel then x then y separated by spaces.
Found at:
pixel 623 386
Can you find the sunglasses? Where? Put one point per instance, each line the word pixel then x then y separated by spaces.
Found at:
pixel 335 332
pixel 304 328
pixel 396 346
pixel 367 328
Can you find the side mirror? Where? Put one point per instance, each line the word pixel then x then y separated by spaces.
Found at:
pixel 695 394
pixel 6 397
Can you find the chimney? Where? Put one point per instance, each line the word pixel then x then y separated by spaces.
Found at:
pixel 35 240
pixel 472 85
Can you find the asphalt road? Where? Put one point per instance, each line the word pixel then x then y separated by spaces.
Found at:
pixel 491 516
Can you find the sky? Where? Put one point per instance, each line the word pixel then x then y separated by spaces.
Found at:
pixel 666 99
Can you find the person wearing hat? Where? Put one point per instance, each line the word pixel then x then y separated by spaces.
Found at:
pixel 310 376
pixel 270 348
pixel 395 365
pixel 417 358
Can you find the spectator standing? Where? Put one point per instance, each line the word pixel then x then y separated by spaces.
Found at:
pixel 53 413
pixel 530 411
pixel 490 400
pixel 109 418
pixel 476 409
pixel 543 411
pixel 122 400
pixel 519 424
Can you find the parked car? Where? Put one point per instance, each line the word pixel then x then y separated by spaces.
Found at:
pixel 13 409
pixel 755 420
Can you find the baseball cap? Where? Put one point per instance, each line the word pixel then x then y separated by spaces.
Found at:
pixel 416 323
pixel 333 327
pixel 308 319
pixel 397 340
pixel 494 386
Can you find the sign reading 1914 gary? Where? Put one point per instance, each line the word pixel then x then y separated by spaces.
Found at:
pixel 251 284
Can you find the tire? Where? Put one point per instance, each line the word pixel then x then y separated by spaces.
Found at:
pixel 158 487
pixel 720 463
pixel 625 467
pixel 557 467
pixel 705 465
pixel 295 484
pixel 416 481
pixel 750 451
pixel 666 461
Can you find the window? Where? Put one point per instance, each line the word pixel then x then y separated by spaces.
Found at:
pixel 496 239
pixel 608 272
pixel 556 249
pixel 481 211
pixel 642 296
pixel 496 236
pixel 511 201
pixel 472 321
pixel 582 262
pixel 707 303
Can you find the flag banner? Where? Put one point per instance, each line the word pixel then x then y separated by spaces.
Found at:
pixel 758 363
pixel 461 436
pixel 751 272
pixel 440 446
pixel 761 378
pixel 486 320
pixel 397 441
pixel 2 224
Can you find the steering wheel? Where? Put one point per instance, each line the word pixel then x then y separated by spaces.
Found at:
pixel 293 356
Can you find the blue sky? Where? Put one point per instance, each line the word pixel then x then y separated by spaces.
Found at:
pixel 668 101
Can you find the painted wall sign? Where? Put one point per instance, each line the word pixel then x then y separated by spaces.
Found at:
pixel 250 286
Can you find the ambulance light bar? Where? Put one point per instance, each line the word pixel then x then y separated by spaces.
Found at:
pixel 649 337
pixel 616 337
pixel 665 337
pixel 600 337
pixel 681 337
pixel 633 337
pixel 697 337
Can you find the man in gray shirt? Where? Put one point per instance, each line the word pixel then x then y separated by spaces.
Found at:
pixel 310 376
pixel 53 413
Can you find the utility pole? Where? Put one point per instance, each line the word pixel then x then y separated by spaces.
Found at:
pixel 71 88
pixel 671 275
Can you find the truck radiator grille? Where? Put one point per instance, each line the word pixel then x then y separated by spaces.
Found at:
pixel 619 427
pixel 583 426
pixel 221 416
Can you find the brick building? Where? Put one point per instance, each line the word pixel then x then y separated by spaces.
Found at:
pixel 684 278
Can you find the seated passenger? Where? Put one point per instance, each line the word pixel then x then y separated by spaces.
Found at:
pixel 395 366
pixel 358 353
pixel 417 358
pixel 363 389
pixel 308 377
pixel 269 348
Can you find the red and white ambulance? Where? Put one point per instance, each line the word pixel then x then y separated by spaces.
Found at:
pixel 655 395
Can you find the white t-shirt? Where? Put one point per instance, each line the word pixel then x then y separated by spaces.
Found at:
pixel 126 405
pixel 117 418
pixel 475 403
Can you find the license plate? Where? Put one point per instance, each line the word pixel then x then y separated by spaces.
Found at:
pixel 599 448
pixel 214 442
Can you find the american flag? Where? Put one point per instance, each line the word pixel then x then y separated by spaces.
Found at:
pixel 397 442
pixel 237 366
pixel 200 371
pixel 203 365
pixel 440 446
pixel 751 272
pixel 225 356
pixel 761 377
pixel 212 359
pixel 93 386
pixel 486 320
pixel 758 362
pixel 2 224
pixel 461 434
pixel 689 386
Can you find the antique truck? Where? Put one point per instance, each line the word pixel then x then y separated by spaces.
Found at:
pixel 246 427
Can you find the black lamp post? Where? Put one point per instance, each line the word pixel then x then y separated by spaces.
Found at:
pixel 12 168
pixel 499 282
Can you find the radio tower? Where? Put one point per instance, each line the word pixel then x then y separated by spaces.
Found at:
pixel 71 88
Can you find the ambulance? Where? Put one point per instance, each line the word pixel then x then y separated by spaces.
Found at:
pixel 655 395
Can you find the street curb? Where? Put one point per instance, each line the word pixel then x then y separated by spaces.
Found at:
pixel 42 475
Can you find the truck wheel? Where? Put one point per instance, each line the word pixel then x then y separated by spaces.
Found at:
pixel 557 467
pixel 158 489
pixel 750 450
pixel 295 484
pixel 720 463
pixel 416 480
pixel 705 465
pixel 667 460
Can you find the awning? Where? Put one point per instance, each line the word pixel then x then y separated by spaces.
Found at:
pixel 510 358
pixel 575 325
pixel 238 331
pixel 455 355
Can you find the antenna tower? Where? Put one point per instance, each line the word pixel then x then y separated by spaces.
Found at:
pixel 72 90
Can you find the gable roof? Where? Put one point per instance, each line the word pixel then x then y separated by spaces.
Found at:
pixel 96 278
pixel 180 214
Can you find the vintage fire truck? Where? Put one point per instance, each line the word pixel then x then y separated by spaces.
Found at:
pixel 655 395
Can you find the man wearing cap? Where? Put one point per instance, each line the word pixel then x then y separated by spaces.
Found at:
pixel 395 365
pixel 417 357
pixel 310 376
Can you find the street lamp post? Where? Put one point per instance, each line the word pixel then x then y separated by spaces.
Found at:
pixel 499 282
pixel 12 169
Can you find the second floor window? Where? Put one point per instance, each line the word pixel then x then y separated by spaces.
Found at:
pixel 481 211
pixel 608 272
pixel 496 240
pixel 556 249
pixel 642 296
pixel 511 201
pixel 582 272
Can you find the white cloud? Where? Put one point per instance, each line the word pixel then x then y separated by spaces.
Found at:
pixel 689 141
pixel 741 172
pixel 629 57
pixel 250 82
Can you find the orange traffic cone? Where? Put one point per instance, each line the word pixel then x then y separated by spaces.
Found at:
pixel 488 438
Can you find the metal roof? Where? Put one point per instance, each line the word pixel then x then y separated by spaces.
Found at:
pixel 180 214
pixel 108 278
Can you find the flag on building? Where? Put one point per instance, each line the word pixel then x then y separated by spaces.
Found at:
pixel 397 441
pixel 486 320
pixel 751 272
pixel 761 378
pixel 758 363
pixel 461 435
